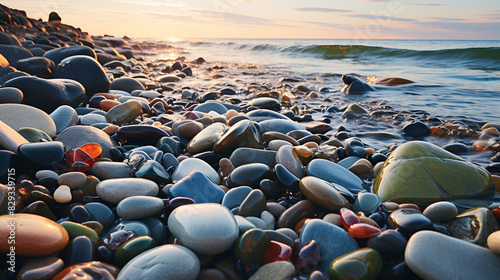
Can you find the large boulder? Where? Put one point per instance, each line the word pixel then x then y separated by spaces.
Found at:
pixel 422 172
pixel 48 94
pixel 85 70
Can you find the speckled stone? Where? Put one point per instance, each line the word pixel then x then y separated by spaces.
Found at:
pixel 204 228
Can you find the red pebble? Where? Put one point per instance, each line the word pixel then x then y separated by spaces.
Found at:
pixel 277 251
pixel 496 213
pixel 93 149
pixel 363 230
pixel 79 155
pixel 348 218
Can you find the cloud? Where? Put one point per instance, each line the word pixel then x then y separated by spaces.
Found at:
pixel 319 9
pixel 408 4
pixel 443 19
pixel 236 18
pixel 368 16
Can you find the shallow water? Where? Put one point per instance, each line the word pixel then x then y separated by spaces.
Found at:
pixel 455 80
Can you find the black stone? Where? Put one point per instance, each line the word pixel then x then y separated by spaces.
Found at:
pixel 250 175
pixel 38 66
pixel 14 53
pixel 416 129
pixel 57 55
pixel 42 154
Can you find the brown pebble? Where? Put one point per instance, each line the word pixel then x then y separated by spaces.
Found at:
pixel 391 206
pixel 226 166
pixel 333 218
pixel 111 129
pixel 293 215
pixel 409 206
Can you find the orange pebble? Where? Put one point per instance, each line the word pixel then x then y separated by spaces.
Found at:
pixel 479 146
pixel 110 129
pixel 106 95
pixel 107 104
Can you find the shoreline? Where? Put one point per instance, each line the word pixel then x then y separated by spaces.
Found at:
pixel 126 165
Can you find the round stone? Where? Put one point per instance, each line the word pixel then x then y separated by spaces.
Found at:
pixel 162 263
pixel 367 203
pixel 115 190
pixel 72 179
pixel 441 212
pixel 64 116
pixel 138 207
pixel 30 117
pixel 10 95
pixel 35 236
pixel 323 194
pixel 493 242
pixel 76 136
pixel 62 194
pixel 193 164
pixel 205 140
pixel 206 228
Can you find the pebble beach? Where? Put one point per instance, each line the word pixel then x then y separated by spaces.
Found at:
pixel 128 159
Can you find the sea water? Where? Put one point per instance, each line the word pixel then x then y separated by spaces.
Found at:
pixel 454 80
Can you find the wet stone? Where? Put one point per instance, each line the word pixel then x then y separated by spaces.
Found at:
pixel 79 250
pixel 390 244
pixel 334 173
pixel 34 135
pixel 242 156
pixel 249 175
pixel 441 212
pixel 474 225
pixel 198 187
pixel 110 170
pixel 76 136
pixel 367 203
pixel 208 228
pixel 138 207
pixel 36 236
pixel 193 164
pixel 289 158
pixel 241 134
pixel 43 154
pixel 446 260
pixel 308 258
pixel 132 248
pixel 253 205
pixel 115 190
pixel 293 215
pixel 365 263
pixel 436 175
pixel 205 140
pixel 94 270
pixel 333 241
pixel 323 194
pixel 154 171
pixel 235 196
pixel 40 268
pixel 416 129
pixel 249 251
pixel 408 221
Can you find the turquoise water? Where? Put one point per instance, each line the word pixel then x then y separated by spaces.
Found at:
pixel 454 79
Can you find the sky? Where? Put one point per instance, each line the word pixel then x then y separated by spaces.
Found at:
pixel 328 19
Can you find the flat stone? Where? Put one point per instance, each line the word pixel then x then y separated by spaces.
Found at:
pixel 72 179
pixel 235 196
pixel 125 112
pixel 64 116
pixel 48 94
pixel 198 187
pixel 334 173
pixel 205 140
pixel 193 164
pixel 279 125
pixel 249 175
pixel 90 119
pixel 76 136
pixel 162 263
pixel 138 207
pixel 35 236
pixel 333 241
pixel 104 170
pixel 435 256
pixel 281 270
pixel 242 156
pixel 206 228
pixel 30 117
pixel 34 135
pixel 323 194
pixel 42 154
pixel 211 106
pixel 115 190
pixel 10 95
pixel 422 172
pixel 101 213
pixel 127 84
pixel 9 138
pixel 40 268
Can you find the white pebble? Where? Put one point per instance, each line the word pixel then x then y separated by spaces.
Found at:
pixel 494 242
pixel 62 194
pixel 268 218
